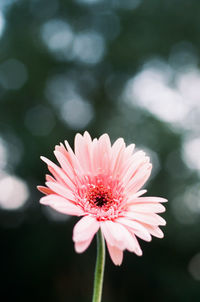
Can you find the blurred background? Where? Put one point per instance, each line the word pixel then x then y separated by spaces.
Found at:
pixel 130 68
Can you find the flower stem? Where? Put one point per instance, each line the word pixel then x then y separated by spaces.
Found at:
pixel 99 269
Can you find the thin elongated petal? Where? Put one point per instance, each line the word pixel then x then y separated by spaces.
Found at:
pixel 139 179
pixel 81 246
pixel 85 229
pixel 95 156
pixel 61 148
pixel 82 151
pixel 77 167
pixel 147 208
pixel 131 171
pixel 154 230
pixel 117 235
pixel 44 190
pixel 58 178
pixel 50 178
pixel 135 196
pixel 133 165
pixel 111 234
pixel 87 136
pixel 59 174
pixel 61 190
pixel 61 205
pixel 117 155
pixel 104 153
pixel 141 235
pixel 152 219
pixel 115 254
pixel 65 164
pixel 150 199
pixel 137 249
pixel 129 150
pixel 137 228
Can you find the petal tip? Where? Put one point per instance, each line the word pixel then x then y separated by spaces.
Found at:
pixel 139 252
pixel 44 159
pixel 43 201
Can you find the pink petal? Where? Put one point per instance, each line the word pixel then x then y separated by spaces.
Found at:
pixel 137 250
pixel 150 199
pixel 95 156
pixel 117 235
pixel 117 155
pixel 133 164
pixel 137 228
pixel 87 136
pixel 147 207
pixel 126 160
pixel 61 204
pixel 44 190
pixel 101 154
pixel 115 254
pixel 129 150
pixel 85 229
pixel 65 164
pixel 56 175
pixel 49 178
pixel 135 196
pixel 111 234
pixel 74 161
pixel 58 172
pixel 81 246
pixel 61 190
pixel 105 151
pixel 61 149
pixel 82 151
pixel 141 235
pixel 154 230
pixel 139 179
pixel 131 171
pixel 152 219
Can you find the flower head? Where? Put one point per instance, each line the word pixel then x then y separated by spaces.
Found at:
pixel 102 183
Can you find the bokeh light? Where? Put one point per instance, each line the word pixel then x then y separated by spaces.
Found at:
pixel 3 154
pixel 89 47
pixel 76 112
pixel 158 97
pixel 194 267
pixel 191 149
pixel 14 192
pixel 58 36
pixel 2 24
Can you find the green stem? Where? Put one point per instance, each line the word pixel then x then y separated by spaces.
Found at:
pixel 99 269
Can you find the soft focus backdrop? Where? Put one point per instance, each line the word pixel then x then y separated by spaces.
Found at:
pixel 126 67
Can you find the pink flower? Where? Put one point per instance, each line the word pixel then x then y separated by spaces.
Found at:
pixel 101 183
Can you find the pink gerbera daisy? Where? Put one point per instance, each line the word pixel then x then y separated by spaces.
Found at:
pixel 102 183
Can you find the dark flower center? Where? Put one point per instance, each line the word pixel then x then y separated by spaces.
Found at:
pixel 100 196
pixel 101 200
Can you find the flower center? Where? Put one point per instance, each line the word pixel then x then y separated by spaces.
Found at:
pixel 100 196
